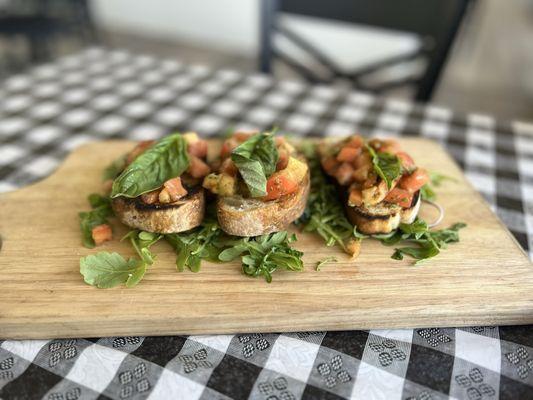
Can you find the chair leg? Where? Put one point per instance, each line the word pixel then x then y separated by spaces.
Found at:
pixel 268 10
pixel 434 69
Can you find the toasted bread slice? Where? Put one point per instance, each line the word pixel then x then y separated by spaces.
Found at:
pixel 252 217
pixel 383 217
pixel 180 216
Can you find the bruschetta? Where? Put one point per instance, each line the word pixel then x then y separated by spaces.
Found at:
pixel 261 184
pixel 379 182
pixel 160 188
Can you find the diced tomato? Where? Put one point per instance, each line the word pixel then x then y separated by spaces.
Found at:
pixel 175 189
pixel 330 165
pixel 344 173
pixel 228 147
pixel 406 160
pixel 198 148
pixel 415 180
pixel 198 168
pixel 356 142
pixel 283 160
pixel 279 185
pixel 138 150
pixel 101 233
pixel 150 197
pixel 280 140
pixel 355 198
pixel 228 167
pixel 348 154
pixel 399 196
pixel 388 146
pixel 241 136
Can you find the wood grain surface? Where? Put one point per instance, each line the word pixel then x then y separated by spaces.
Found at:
pixel 485 279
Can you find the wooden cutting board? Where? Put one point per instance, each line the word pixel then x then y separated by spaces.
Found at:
pixel 485 279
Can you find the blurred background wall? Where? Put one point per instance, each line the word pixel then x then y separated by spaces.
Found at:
pixel 489 70
pixel 226 25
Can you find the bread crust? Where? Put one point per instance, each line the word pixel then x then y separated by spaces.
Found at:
pixel 180 216
pixel 383 218
pixel 252 217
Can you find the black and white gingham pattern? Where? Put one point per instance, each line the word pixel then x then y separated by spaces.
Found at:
pixel 100 94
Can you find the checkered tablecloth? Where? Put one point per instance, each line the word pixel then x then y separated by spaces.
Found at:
pixel 100 94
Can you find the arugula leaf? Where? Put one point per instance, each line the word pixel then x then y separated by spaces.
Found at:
pixel 416 228
pixel 428 243
pixel 97 200
pixel 115 168
pixel 231 253
pixel 324 213
pixel 387 166
pixel 435 179
pixel 101 210
pixel 197 245
pixel 422 253
pixel 256 160
pixel 325 261
pixel 164 160
pixel 427 192
pixel 106 270
pixel 262 255
pixel 141 242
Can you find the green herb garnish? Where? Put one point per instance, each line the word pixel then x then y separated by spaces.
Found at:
pixel 262 255
pixel 256 160
pixel 101 210
pixel 435 179
pixel 200 244
pixel 115 168
pixel 427 192
pixel 325 261
pixel 324 213
pixel 427 243
pixel 387 166
pixel 164 160
pixel 106 270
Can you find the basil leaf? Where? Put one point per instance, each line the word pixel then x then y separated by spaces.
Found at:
pixel 106 270
pixel 386 165
pixel 166 159
pixel 256 160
